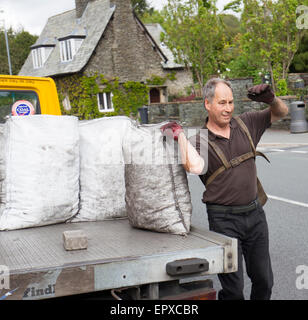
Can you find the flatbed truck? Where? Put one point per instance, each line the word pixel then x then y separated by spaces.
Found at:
pixel 120 262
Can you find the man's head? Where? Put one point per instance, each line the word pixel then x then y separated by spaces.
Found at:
pixel 218 101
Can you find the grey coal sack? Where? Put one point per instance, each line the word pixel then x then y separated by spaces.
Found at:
pixel 102 185
pixel 39 171
pixel 157 193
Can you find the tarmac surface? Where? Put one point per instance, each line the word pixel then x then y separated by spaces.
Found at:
pixel 283 139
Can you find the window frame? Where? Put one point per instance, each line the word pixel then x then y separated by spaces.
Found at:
pixel 69 46
pixel 40 54
pixel 103 106
pixel 38 105
pixel 37 58
pixel 66 53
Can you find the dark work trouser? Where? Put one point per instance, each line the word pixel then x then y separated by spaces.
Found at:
pixel 251 231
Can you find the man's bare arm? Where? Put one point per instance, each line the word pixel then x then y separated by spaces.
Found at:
pixel 191 160
pixel 278 109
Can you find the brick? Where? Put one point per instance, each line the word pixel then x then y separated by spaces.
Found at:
pixel 75 240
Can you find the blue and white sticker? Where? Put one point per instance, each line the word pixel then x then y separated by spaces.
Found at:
pixel 22 108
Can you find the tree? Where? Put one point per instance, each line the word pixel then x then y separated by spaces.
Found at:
pixel 194 33
pixel 300 61
pixel 19 43
pixel 271 35
pixel 153 16
pixel 4 68
pixel 231 25
pixel 141 7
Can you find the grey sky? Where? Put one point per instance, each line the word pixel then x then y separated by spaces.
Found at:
pixel 32 15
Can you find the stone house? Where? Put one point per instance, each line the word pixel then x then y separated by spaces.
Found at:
pixel 105 37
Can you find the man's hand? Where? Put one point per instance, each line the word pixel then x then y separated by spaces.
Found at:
pixel 261 93
pixel 172 129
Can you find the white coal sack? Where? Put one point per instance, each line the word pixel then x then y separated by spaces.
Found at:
pixel 102 184
pixel 39 171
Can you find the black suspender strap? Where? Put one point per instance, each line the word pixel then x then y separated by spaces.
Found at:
pixel 235 161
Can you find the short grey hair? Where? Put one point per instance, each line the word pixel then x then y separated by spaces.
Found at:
pixel 210 86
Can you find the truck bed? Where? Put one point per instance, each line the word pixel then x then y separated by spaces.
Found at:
pixel 117 256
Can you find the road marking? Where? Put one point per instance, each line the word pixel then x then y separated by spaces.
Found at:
pixel 281 150
pixel 302 204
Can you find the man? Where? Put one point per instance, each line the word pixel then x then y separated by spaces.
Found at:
pixel 231 196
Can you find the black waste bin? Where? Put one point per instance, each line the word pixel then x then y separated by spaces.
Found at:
pixel 143 114
pixel 298 118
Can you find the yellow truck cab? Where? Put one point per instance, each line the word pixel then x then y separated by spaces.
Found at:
pixel 21 95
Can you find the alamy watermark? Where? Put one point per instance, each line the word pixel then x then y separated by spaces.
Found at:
pixel 148 146
pixel 302 280
pixel 302 19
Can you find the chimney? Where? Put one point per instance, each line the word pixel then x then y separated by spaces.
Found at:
pixel 126 47
pixel 80 7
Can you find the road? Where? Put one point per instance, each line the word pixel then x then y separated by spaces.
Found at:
pixel 285 181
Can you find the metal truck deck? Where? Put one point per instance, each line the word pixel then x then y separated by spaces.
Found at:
pixel 117 256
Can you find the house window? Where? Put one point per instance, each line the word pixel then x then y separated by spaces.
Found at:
pixel 40 55
pixel 104 101
pixel 66 50
pixel 37 58
pixel 69 47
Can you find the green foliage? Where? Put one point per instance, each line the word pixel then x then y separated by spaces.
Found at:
pixel 156 80
pixel 130 97
pixel 232 26
pixel 194 33
pixel 233 5
pixel 153 16
pixel 141 7
pixel 19 43
pixel 270 35
pixel 282 87
pixel 160 81
pixel 82 92
pixel 300 61
pixel 241 66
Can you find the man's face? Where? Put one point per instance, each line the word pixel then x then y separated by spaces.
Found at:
pixel 221 108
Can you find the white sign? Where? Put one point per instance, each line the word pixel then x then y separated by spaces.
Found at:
pixel 22 108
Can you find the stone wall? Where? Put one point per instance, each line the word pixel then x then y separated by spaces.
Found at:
pixel 240 87
pixel 294 76
pixel 193 114
pixel 125 52
pixel 183 81
pixel 119 52
pixel 188 113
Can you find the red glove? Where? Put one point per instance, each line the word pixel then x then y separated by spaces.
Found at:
pixel 171 129
pixel 261 93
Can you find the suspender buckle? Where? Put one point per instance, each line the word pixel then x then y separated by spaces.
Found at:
pixel 235 162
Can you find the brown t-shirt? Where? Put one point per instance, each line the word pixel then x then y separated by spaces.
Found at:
pixel 238 185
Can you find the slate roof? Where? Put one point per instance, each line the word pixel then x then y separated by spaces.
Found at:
pixel 155 29
pixel 92 24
